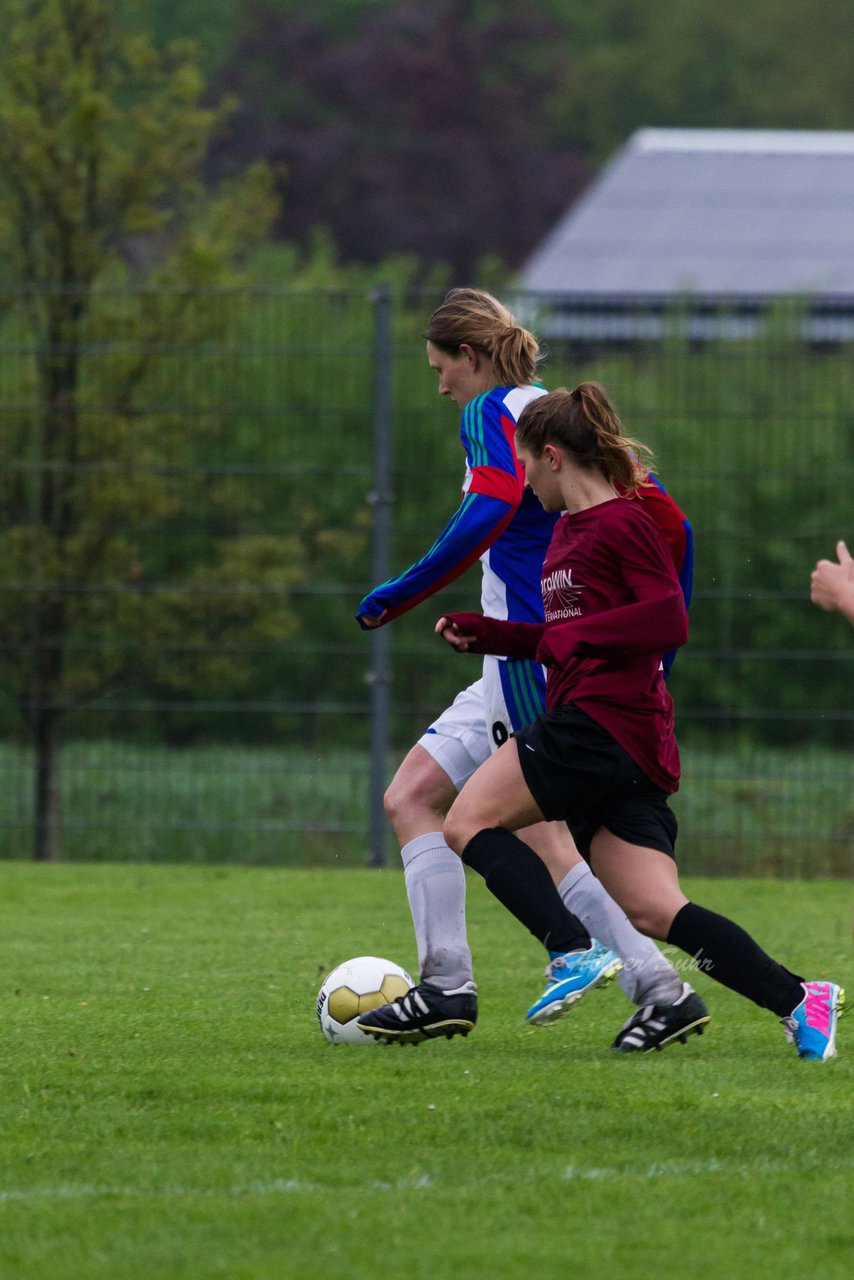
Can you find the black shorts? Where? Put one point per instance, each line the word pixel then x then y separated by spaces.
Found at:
pixel 577 772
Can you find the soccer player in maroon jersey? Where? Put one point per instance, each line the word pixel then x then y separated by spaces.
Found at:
pixel 603 755
pixel 488 364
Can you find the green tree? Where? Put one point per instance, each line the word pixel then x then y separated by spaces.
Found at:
pixel 771 64
pixel 108 238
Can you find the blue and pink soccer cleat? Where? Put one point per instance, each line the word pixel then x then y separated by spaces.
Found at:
pixel 811 1026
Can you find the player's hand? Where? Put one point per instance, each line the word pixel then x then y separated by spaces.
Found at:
pixel 832 584
pixel 370 624
pixel 450 632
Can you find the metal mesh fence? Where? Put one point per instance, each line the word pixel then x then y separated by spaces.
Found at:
pixel 198 489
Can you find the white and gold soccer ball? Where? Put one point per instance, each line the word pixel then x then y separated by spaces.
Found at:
pixel 367 982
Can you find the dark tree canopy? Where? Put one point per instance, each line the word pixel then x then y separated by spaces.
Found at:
pixel 421 133
pixel 453 131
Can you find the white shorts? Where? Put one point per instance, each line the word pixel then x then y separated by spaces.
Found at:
pixel 509 695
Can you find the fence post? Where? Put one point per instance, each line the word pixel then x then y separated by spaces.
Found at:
pixel 382 500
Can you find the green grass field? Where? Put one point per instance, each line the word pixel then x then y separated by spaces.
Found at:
pixel 170 1109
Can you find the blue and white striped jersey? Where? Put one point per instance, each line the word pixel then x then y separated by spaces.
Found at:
pixel 498 521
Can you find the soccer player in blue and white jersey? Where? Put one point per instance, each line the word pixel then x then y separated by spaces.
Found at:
pixel 487 364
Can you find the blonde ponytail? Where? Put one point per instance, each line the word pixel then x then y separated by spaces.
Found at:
pixel 475 317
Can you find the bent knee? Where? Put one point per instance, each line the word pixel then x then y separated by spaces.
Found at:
pixel 650 920
pixel 457 834
pixel 396 799
pixel 463 823
pixel 418 795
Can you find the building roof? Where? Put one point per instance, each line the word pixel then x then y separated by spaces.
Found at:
pixel 709 211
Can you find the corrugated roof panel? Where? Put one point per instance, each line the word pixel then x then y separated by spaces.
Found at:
pixel 731 214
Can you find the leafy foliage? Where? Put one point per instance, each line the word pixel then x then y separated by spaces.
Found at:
pixel 100 183
pixel 418 131
pixel 454 131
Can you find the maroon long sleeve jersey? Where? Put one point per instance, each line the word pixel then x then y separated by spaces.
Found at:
pixel 613 605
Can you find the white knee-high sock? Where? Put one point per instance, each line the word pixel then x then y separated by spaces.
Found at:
pixel 647 976
pixel 436 888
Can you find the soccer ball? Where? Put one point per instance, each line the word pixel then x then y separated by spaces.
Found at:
pixel 351 990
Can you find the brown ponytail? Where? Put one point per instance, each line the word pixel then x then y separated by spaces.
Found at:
pixel 585 424
pixel 477 318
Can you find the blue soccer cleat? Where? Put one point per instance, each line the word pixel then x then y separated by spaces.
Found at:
pixel 811 1026
pixel 570 977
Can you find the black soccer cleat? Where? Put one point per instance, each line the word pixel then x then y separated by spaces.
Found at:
pixel 424 1013
pixel 657 1025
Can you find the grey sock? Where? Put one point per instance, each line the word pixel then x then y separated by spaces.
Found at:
pixel 647 976
pixel 436 888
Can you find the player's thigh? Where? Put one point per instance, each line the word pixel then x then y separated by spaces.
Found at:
pixel 420 779
pixel 496 796
pixel 436 768
pixel 645 882
pixel 457 739
pixel 514 695
pixel 554 844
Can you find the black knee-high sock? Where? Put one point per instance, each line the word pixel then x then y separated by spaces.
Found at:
pixel 521 881
pixel 729 955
